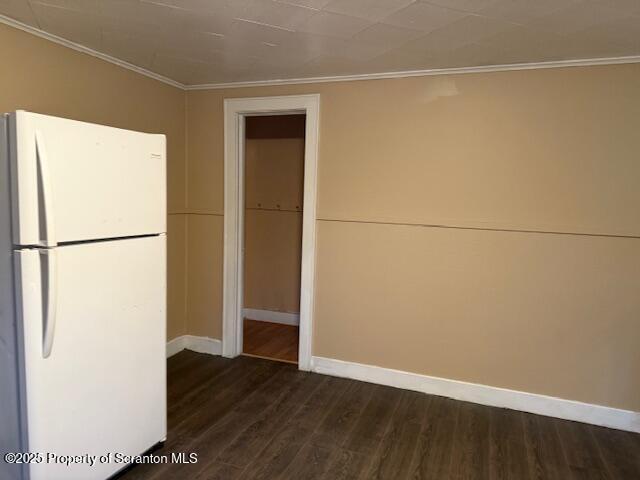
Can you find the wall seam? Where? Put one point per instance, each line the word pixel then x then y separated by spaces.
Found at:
pixel 486 229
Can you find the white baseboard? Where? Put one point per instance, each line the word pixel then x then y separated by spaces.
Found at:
pixel 211 346
pixel 176 345
pixel 271 316
pixel 482 394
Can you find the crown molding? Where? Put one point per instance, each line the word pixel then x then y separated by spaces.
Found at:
pixel 423 73
pixel 94 53
pixel 588 62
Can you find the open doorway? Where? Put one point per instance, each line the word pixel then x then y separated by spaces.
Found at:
pixel 273 208
pixel 236 113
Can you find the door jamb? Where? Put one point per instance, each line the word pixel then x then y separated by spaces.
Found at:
pixel 235 111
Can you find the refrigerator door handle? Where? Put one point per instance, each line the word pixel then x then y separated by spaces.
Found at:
pixel 44 181
pixel 49 311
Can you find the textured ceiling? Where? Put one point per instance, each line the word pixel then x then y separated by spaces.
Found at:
pixel 220 41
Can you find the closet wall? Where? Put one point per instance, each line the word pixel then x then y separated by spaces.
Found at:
pixel 274 173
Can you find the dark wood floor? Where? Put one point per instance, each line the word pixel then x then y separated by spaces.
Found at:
pixel 270 340
pixel 249 418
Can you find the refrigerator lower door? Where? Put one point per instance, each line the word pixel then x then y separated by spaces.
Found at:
pixel 93 320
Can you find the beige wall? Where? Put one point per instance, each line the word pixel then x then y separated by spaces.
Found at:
pixel 540 150
pixel 274 173
pixel 550 314
pixel 204 275
pixel 44 77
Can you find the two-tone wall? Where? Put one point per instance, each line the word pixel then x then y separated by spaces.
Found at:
pixel 480 227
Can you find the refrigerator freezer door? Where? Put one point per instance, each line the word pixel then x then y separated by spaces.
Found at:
pixel 102 388
pixel 75 181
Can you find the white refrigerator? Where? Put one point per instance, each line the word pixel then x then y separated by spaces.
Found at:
pixel 82 294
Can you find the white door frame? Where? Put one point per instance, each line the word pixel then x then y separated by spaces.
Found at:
pixel 235 111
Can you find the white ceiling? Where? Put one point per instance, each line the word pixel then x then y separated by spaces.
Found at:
pixel 220 41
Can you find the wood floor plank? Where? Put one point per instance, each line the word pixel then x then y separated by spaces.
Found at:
pixel 251 442
pixel 189 365
pixel 470 458
pixel 283 450
pixel 180 360
pixel 620 454
pixel 394 457
pixel 311 462
pixel 234 385
pixel 436 440
pixel 507 450
pixel 218 471
pixel 277 455
pixel 346 465
pixel 186 384
pixel 544 451
pixel 220 434
pixel 228 380
pixel 341 419
pixel 374 419
pixel 315 409
pixel 581 451
pixel 270 340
